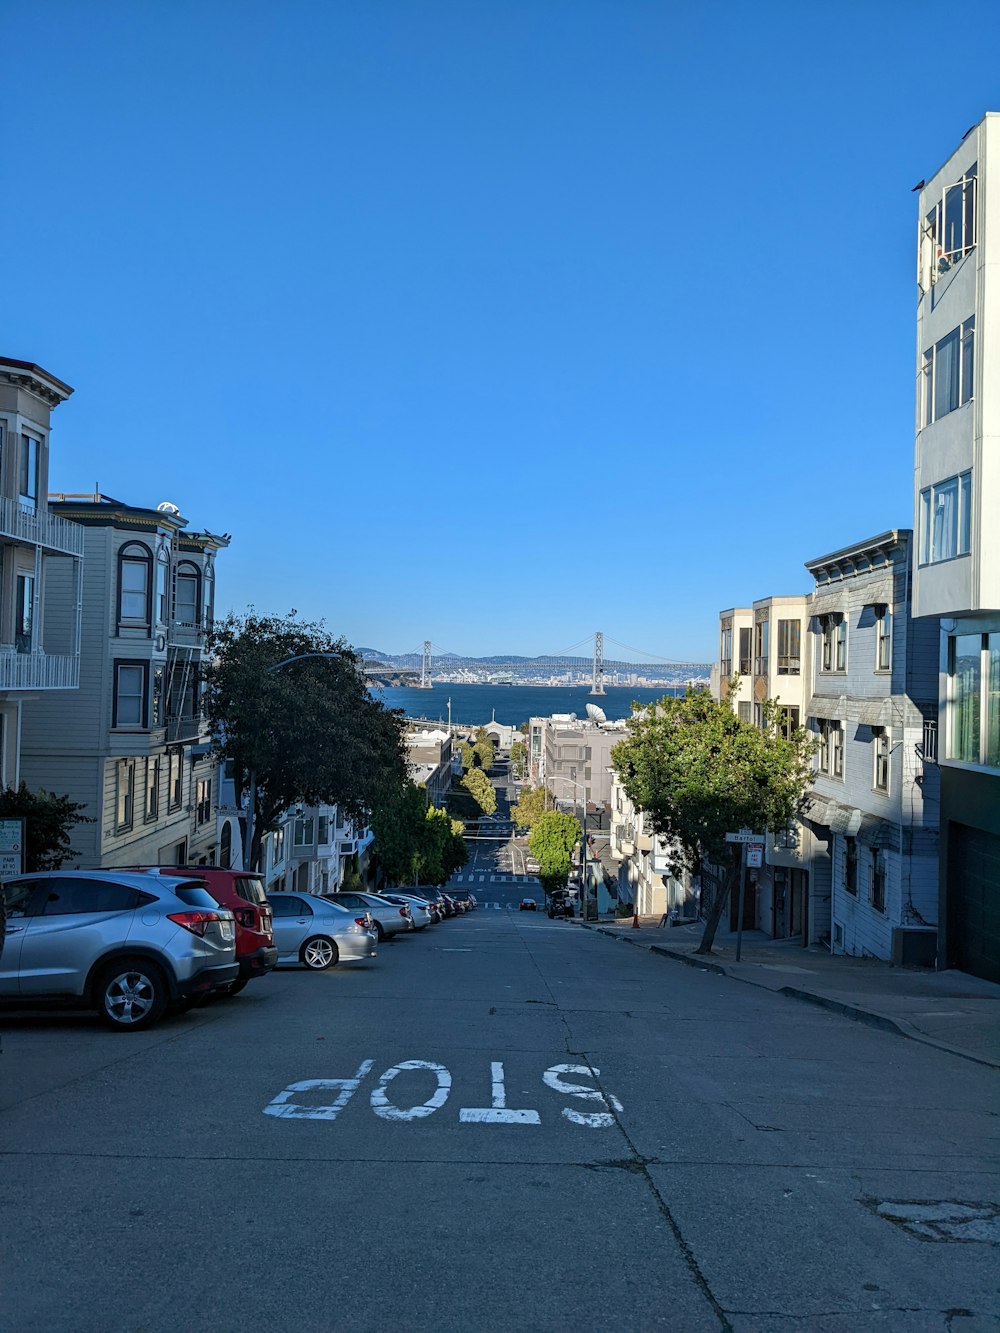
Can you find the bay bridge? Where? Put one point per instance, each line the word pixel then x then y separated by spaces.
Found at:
pixel 594 665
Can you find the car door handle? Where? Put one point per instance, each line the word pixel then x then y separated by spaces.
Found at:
pixel 15 930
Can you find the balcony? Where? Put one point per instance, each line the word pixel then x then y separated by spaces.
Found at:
pixel 40 528
pixel 38 671
pixel 182 728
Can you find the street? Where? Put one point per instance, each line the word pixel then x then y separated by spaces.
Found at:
pixel 501 1122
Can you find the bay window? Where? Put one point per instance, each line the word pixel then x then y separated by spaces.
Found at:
pixel 946 519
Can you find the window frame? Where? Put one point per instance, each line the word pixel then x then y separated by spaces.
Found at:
pixel 175 780
pixel 881 754
pixel 134 554
pixel 124 794
pixel 877 881
pixel 789 639
pixel 24 612
pixel 203 801
pixel 851 865
pixel 130 664
pixel 962 534
pixel 939 399
pixel 187 570
pixel 28 466
pixel 883 637
pixel 151 808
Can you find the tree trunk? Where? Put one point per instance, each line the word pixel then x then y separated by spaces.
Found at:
pixel 721 900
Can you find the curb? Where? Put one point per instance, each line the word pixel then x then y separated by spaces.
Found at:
pixel 868 1017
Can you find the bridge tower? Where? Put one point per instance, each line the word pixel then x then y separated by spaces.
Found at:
pixel 597 682
pixel 425 667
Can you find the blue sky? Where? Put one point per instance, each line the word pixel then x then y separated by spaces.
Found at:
pixel 489 323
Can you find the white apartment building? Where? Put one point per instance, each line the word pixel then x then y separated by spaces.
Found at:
pixel 41 565
pixel 313 849
pixel 644 877
pixel 735 658
pixel 956 578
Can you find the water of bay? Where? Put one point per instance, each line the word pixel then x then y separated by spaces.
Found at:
pixel 475 705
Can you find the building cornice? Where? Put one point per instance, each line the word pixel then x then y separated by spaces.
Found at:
pixel 862 558
pixel 26 375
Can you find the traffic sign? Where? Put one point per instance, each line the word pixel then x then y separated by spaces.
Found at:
pixel 755 855
pixel 744 835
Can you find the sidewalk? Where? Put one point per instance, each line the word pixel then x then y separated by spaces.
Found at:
pixel 949 1010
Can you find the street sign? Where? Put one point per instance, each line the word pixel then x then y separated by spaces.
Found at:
pixel 11 847
pixel 744 835
pixel 755 855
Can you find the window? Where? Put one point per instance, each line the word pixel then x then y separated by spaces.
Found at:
pixel 152 788
pixel 291 906
pixel 947 373
pixel 758 715
pixel 124 793
pixel 324 830
pixel 204 800
pixel 851 865
pixel 208 613
pixel 70 897
pixel 946 519
pixel 28 473
pixel 760 637
pixel 175 779
pixel 876 882
pixel 788 721
pixel 744 669
pixel 726 651
pixel 187 589
pixel 162 572
pixel 157 717
pixel 743 710
pixel 24 613
pixel 974 698
pixel 129 704
pixel 880 750
pixel 833 629
pixel 789 647
pixel 277 846
pixel 134 573
pixel 830 758
pixel 883 638
pixel 948 232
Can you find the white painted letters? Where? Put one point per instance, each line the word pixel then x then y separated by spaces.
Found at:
pixel 497 1113
pixel 286 1109
pixel 595 1119
pixel 384 1108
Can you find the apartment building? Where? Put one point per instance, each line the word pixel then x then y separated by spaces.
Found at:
pixel 956 577
pixel 130 744
pixel 735 659
pixel 41 565
pixel 643 862
pixel 571 756
pixel 870 832
pixel 313 849
pixel 429 762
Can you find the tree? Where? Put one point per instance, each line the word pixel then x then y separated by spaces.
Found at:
pixel 310 732
pixel 481 789
pixel 699 773
pixel 468 756
pixel 485 753
pixel 533 803
pixel 397 822
pixel 444 849
pixel 551 842
pixel 517 758
pixel 48 820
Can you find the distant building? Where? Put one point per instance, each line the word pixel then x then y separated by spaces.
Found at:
pixel 956 574
pixel 314 849
pixel 572 758
pixel 41 567
pixel 429 760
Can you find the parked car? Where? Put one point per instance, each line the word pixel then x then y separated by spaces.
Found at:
pixel 528 905
pixel 127 943
pixel 420 909
pixel 390 918
pixel 243 893
pixel 448 903
pixel 432 899
pixel 463 899
pixel 318 932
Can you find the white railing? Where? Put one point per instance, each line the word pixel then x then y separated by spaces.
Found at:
pixel 38 671
pixel 40 528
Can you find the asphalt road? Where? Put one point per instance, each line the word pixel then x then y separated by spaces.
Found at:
pixel 502 1123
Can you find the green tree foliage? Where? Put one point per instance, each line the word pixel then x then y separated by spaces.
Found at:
pixel 468 756
pixel 311 731
pixel 444 850
pixel 699 773
pixel 553 836
pixel 481 789
pixel 48 820
pixel 417 843
pixel 532 804
pixel 485 753
pixel 518 754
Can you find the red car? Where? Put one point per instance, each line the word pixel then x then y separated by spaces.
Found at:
pixel 243 893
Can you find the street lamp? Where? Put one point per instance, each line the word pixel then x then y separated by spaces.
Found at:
pixel 248 827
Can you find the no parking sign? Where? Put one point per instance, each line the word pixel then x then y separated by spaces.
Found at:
pixel 11 847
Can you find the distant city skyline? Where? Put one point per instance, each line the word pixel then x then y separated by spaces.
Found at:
pixel 486 323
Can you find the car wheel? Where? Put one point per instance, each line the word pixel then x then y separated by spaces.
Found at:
pixel 379 932
pixel 131 994
pixel 319 953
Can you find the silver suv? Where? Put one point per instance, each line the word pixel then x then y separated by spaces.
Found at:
pixel 125 944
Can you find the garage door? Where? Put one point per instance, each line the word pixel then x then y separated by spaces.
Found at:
pixel 974 901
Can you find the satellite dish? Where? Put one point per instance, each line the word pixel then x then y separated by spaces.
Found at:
pixel 167 507
pixel 596 714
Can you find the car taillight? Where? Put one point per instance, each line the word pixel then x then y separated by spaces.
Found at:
pixel 404 911
pixel 244 916
pixel 361 921
pixel 196 922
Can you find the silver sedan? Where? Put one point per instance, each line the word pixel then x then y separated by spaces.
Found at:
pixel 318 932
pixel 390 918
pixel 420 909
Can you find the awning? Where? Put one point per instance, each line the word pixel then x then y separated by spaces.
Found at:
pixel 876 712
pixel 878 834
pixel 828 706
pixel 844 819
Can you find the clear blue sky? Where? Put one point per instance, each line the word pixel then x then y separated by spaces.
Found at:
pixel 486 322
